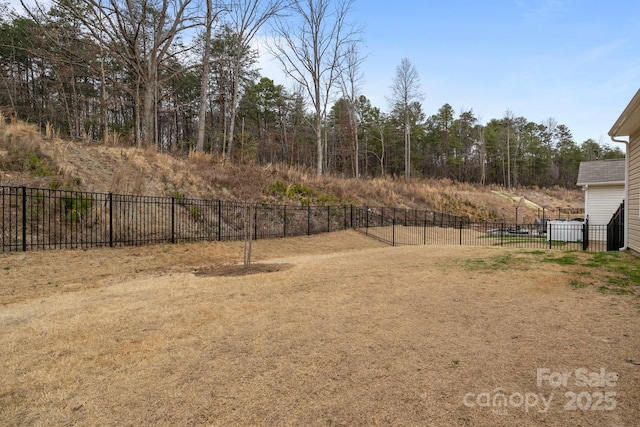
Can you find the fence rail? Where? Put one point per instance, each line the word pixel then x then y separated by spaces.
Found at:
pixel 567 235
pixel 34 218
pixel 37 219
pixel 425 227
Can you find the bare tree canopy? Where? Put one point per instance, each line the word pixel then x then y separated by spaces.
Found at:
pixel 180 75
pixel 311 46
pixel 351 78
pixel 405 92
pixel 142 35
pixel 246 18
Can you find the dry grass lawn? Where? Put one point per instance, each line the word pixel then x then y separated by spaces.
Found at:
pixel 327 330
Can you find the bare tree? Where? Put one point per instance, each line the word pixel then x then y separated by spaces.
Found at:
pixel 310 47
pixel 141 35
pixel 351 78
pixel 405 92
pixel 508 121
pixel 245 19
pixel 210 17
pixel 482 153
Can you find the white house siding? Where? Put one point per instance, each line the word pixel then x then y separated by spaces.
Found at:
pixel 634 193
pixel 602 201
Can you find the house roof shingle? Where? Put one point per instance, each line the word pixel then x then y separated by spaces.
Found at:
pixel 601 172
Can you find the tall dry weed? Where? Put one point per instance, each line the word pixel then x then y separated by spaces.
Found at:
pixel 128 179
pixel 111 138
pixel 26 132
pixel 22 150
pixel 50 132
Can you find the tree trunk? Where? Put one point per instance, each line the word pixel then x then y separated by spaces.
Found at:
pixel 357 157
pixel 147 115
pixel 319 143
pixel 202 114
pixel 137 115
pixel 105 111
pixel 232 114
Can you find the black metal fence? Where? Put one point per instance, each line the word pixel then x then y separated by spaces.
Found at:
pixel 615 229
pixel 424 228
pixel 34 218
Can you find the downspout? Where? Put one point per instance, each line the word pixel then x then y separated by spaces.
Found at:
pixel 626 190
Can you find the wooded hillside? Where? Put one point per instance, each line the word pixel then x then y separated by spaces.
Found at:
pixel 29 158
pixel 177 76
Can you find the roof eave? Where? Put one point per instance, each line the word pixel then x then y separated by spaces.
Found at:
pixel 629 121
pixel 601 183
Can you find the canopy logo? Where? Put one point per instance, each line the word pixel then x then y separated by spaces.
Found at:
pixel 586 399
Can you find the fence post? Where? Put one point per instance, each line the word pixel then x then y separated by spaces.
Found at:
pixel 24 219
pixel 219 220
pixel 585 234
pixel 173 219
pixel 345 216
pixel 328 218
pixel 284 226
pixel 110 220
pixel 308 220
pixel 550 235
pixel 255 222
pixel 424 231
pixel 366 219
pixel 460 232
pixel 351 220
pixel 502 234
pixel 393 230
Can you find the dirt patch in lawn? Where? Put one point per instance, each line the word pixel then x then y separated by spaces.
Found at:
pixel 241 270
pixel 338 330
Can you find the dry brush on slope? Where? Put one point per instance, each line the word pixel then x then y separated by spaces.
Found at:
pixel 29 158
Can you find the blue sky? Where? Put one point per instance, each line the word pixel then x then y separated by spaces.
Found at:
pixel 572 60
